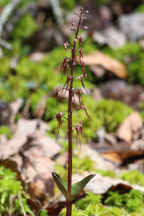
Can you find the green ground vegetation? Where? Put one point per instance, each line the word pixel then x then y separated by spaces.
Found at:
pixel 9 188
pixel 116 204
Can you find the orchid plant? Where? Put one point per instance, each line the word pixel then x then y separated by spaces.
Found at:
pixel 68 69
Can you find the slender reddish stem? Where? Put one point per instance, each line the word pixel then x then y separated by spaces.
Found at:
pixel 69 204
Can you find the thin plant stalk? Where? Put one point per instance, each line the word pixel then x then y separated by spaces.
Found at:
pixel 70 191
pixel 70 131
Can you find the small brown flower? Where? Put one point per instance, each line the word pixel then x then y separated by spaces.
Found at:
pixel 59 119
pixel 66 45
pixel 79 132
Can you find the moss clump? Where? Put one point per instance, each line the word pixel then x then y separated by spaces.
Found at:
pixel 107 113
pixel 132 201
pixel 5 130
pixel 133 177
pixel 25 27
pixel 131 204
pixel 91 205
pixel 10 186
pixel 111 113
pixel 83 164
pixel 109 173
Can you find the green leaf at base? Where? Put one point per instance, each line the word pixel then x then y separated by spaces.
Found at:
pixel 62 185
pixel 77 187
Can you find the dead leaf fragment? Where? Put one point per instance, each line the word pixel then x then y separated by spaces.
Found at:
pixel 110 64
pixel 132 124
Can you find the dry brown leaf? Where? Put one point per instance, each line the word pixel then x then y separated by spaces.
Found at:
pixel 110 64
pixel 119 156
pixel 132 124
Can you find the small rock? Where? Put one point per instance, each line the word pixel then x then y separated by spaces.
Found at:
pixel 37 56
pixel 132 25
pixel 111 37
pixel 138 145
pixel 96 94
pixel 5 113
pixel 110 139
pixel 100 184
pixel 101 135
pixel 100 162
pixel 98 71
pixel 120 90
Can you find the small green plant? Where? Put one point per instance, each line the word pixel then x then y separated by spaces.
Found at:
pixel 43 213
pixel 68 68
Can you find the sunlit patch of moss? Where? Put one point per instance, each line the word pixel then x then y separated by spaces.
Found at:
pixel 116 205
pixel 83 164
pixel 133 177
pixel 109 173
pixel 132 201
pixel 111 113
pixel 91 205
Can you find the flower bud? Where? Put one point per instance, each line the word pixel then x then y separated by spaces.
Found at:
pixel 83 18
pixel 73 24
pixel 76 13
pixel 87 11
pixel 66 45
pixel 85 28
pixel 72 29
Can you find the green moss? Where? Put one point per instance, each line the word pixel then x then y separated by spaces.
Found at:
pixel 35 99
pixel 133 177
pixel 107 113
pixel 109 173
pixel 132 201
pixel 111 113
pixel 91 205
pixel 69 5
pixel 5 130
pixel 131 204
pixel 25 27
pixel 83 164
pixel 140 8
pixel 4 67
pixel 10 186
pixel 4 2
